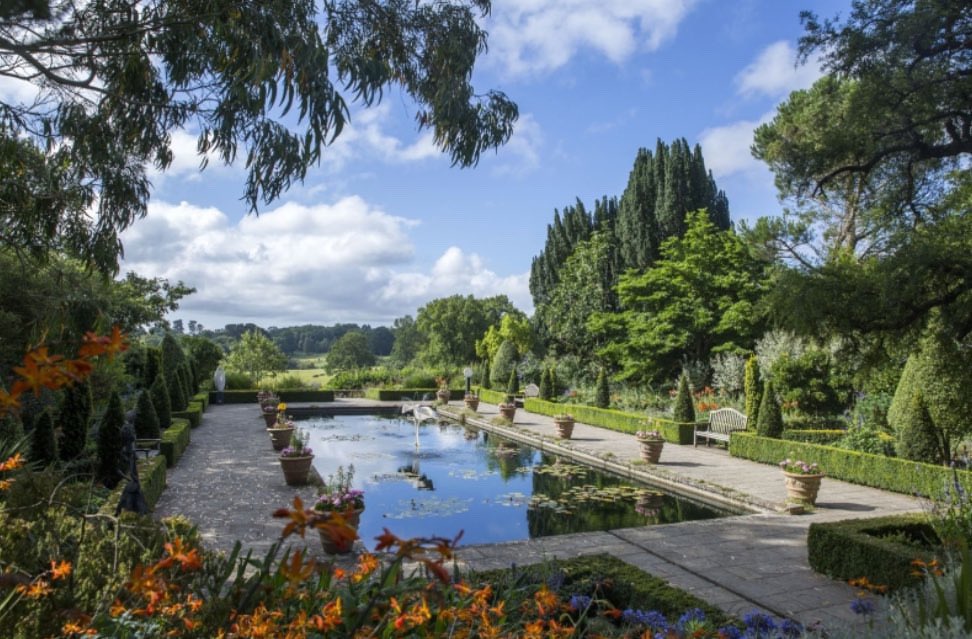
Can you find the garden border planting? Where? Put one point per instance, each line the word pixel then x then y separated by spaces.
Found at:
pixel 175 440
pixel 193 413
pixel 672 431
pixel 878 471
pixel 813 436
pixel 854 548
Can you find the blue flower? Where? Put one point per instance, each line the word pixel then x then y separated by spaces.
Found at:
pixel 730 632
pixel 653 619
pixel 758 624
pixel 790 628
pixel 689 616
pixel 863 606
pixel 580 602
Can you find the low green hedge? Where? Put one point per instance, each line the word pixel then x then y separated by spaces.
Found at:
pixel 491 396
pixel 814 422
pixel 250 396
pixel 202 398
pixel 398 394
pixel 193 413
pixel 175 440
pixel 675 432
pixel 813 436
pixel 873 548
pixel 888 473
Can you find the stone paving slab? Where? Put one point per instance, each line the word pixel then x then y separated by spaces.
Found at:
pixel 229 483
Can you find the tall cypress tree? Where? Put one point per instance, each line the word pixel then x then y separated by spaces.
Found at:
pixel 110 442
pixel 545 384
pixel 751 386
pixel 161 402
pixel 74 417
pixel 146 419
pixel 43 447
pixel 684 407
pixel 769 422
pixel 602 397
pixel 153 365
pixel 485 381
pixel 512 385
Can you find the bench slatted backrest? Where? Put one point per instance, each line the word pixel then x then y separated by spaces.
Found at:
pixel 726 420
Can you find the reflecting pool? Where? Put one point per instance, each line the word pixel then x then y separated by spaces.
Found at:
pixel 435 480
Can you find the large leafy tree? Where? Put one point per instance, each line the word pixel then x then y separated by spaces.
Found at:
pixel 452 325
pixel 700 298
pixel 350 352
pixel 256 355
pixel 408 340
pixel 269 81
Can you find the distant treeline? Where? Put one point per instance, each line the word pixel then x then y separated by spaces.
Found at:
pixel 309 339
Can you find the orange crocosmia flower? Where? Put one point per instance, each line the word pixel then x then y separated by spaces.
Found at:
pixel 330 617
pixel 8 402
pixel 35 590
pixel 12 463
pixel 386 540
pixel 296 570
pixel 77 369
pixel 299 518
pixel 339 573
pixel 60 570
pixel 5 484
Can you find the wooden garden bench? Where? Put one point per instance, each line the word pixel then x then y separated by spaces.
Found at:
pixel 721 424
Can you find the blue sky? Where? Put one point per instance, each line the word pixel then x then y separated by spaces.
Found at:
pixel 384 224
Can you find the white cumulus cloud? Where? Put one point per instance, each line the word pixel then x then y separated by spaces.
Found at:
pixel 538 36
pixel 346 261
pixel 727 148
pixel 774 72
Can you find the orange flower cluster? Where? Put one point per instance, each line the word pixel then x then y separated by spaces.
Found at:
pixel 866 586
pixel 42 370
pixel 705 400
pixel 925 568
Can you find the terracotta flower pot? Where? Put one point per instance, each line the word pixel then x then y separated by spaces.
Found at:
pixel 340 546
pixel 802 488
pixel 296 469
pixel 443 395
pixel 270 418
pixel 565 427
pixel 507 411
pixel 280 437
pixel 472 403
pixel 651 449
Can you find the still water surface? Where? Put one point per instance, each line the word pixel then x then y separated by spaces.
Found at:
pixel 437 480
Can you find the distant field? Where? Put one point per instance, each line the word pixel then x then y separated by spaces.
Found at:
pixel 312 377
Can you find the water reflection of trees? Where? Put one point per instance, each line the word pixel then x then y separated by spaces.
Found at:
pixel 639 508
pixel 507 457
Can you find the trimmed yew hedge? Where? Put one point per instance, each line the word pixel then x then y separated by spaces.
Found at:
pixel 813 436
pixel 872 548
pixel 675 432
pixel 888 473
pixel 202 398
pixel 491 396
pixel 193 413
pixel 175 440
pixel 250 396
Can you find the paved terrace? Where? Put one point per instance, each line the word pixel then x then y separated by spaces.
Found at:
pixel 229 482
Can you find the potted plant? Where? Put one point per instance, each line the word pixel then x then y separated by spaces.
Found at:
pixel 342 506
pixel 273 413
pixel 565 425
pixel 802 480
pixel 296 459
pixel 472 401
pixel 508 408
pixel 281 429
pixel 652 443
pixel 443 394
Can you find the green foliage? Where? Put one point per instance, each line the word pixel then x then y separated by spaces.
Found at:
pixel 108 470
pixel 545 393
pixel 161 402
pixel 888 473
pixel 361 378
pixel 43 446
pixel 918 439
pixel 503 364
pixel 452 325
pixel 514 327
pixel 485 376
pixel 239 381
pixel 769 423
pixel 254 355
pixel 621 421
pixel 512 384
pixel 873 548
pixel 350 352
pixel 753 385
pixel 146 419
pixel 177 394
pixel 205 354
pixel 193 413
pixel 74 419
pixel 175 440
pixel 806 383
pixel 700 298
pixel 684 409
pixel 153 365
pixel 409 341
pixel 827 437
pixel 172 357
pixel 287 381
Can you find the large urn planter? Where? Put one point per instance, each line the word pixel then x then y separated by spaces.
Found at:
pixel 280 437
pixel 802 488
pixel 296 469
pixel 565 426
pixel 472 402
pixel 508 411
pixel 651 450
pixel 443 395
pixel 269 417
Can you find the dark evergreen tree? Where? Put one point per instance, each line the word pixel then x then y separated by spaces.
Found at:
pixel 146 419
pixel 110 442
pixel 153 366
pixel 177 397
pixel 11 429
pixel 161 402
pixel 545 393
pixel 769 421
pixel 751 386
pixel 43 447
pixel 172 354
pixel 193 375
pixel 602 395
pixel 485 380
pixel 185 376
pixel 918 439
pixel 74 418
pixel 684 406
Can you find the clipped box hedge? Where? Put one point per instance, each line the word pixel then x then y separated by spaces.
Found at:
pixel 813 436
pixel 491 396
pixel 202 398
pixel 675 432
pixel 398 394
pixel 871 548
pixel 175 440
pixel 193 413
pixel 888 473
pixel 297 395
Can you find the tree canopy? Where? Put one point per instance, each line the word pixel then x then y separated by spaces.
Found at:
pixel 349 352
pixel 271 82
pixel 452 325
pixel 255 355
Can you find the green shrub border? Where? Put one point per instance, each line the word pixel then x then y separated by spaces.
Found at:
pixel 854 548
pixel 398 394
pixel 151 477
pixel 813 436
pixel 193 413
pixel 250 396
pixel 202 398
pixel 491 396
pixel 175 440
pixel 888 473
pixel 675 432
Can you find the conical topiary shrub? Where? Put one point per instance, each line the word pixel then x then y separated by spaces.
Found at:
pixel 545 393
pixel 43 447
pixel 160 400
pixel 684 409
pixel 74 417
pixel 554 384
pixel 751 386
pixel 918 439
pixel 602 395
pixel 503 363
pixel 485 381
pixel 110 442
pixel 146 419
pixel 177 397
pixel 153 365
pixel 769 422
pixel 512 385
